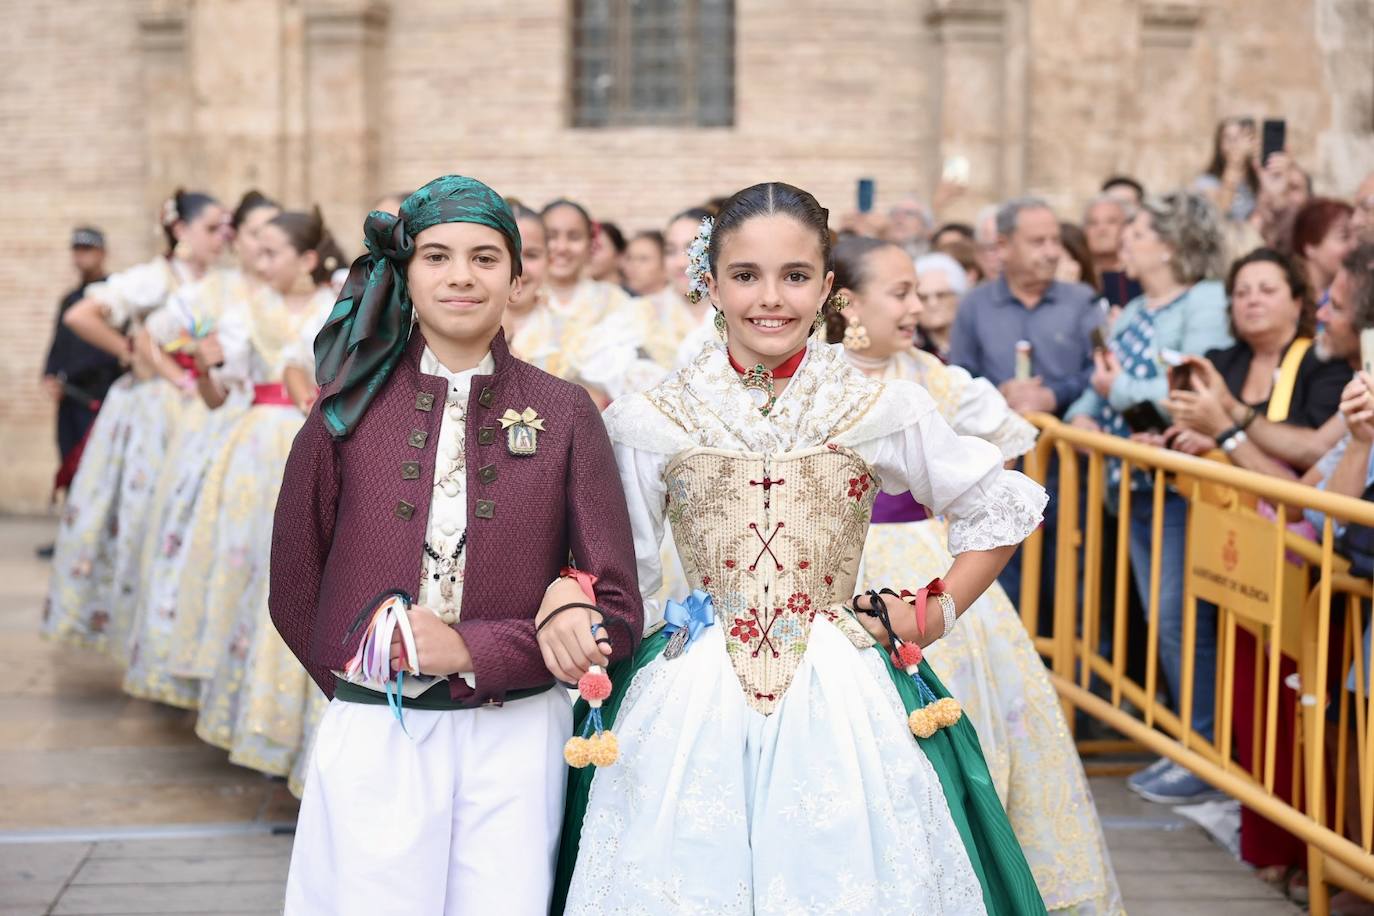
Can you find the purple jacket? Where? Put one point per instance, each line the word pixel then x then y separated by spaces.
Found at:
pixel 353 513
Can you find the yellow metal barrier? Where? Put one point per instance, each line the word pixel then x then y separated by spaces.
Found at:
pixel 1267 582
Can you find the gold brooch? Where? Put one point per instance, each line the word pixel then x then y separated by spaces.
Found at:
pixel 522 431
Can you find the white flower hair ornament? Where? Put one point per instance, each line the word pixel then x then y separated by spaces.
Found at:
pixel 698 263
pixel 169 211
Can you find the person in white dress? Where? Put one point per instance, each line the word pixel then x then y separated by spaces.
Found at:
pixel 766 753
pixel 97 557
pixel 989 662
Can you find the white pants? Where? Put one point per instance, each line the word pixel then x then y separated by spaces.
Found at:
pixel 461 817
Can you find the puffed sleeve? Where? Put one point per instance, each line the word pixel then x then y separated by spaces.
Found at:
pixel 302 536
pixel 983 412
pixel 959 477
pixel 235 338
pixel 131 294
pixel 641 475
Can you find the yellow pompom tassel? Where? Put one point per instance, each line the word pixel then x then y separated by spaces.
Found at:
pixel 605 749
pixel 921 722
pixel 577 752
pixel 946 711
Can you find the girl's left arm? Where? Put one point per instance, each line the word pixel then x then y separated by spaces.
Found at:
pixel 991 510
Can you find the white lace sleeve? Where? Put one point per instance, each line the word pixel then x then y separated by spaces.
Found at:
pixel 131 294
pixel 960 477
pixel 641 473
pixel 234 337
pixel 984 413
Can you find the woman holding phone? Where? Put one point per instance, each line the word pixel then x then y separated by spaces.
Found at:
pixel 1173 247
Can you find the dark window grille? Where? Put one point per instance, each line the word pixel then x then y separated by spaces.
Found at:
pixel 653 63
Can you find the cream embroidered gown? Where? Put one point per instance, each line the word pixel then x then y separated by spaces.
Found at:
pixel 99 550
pixel 770 768
pixel 255 699
pixel 990 664
pixel 192 308
pixel 595 338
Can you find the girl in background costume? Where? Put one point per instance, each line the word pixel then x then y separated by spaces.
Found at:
pixel 254 701
pixel 438 488
pixel 767 758
pixel 582 330
pixel 988 662
pixel 100 541
pixel 180 328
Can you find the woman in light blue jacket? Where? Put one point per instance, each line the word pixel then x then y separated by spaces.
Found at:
pixel 1174 248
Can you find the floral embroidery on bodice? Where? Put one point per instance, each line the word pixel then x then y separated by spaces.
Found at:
pixel 775 539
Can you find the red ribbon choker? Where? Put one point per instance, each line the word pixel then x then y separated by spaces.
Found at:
pixel 787 369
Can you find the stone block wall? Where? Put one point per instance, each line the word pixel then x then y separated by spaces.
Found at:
pixel 109 104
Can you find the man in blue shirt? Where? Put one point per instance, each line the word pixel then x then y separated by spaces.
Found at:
pixel 1028 303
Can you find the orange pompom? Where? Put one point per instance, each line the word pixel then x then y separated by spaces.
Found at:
pixel 595 685
pixel 908 655
pixel 921 723
pixel 577 752
pixel 605 749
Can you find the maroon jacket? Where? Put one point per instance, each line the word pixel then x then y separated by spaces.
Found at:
pixel 353 513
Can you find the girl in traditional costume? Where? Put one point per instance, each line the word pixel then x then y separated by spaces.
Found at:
pixel 988 662
pixel 180 328
pixel 766 753
pixel 582 330
pixel 96 562
pixel 254 700
pixel 436 491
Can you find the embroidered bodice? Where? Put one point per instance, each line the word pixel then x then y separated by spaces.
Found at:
pixel 769 514
pixel 775 540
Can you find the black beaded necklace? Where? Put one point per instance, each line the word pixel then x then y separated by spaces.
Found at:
pixel 451 562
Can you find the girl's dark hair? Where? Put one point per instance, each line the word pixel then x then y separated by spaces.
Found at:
pixel 1293 275
pixel 519 210
pixel 851 255
pixel 1218 164
pixel 960 229
pixel 695 214
pixel 185 206
pixel 652 235
pixel 581 211
pixel 307 232
pixel 1076 245
pixel 612 232
pixel 765 200
pixel 252 200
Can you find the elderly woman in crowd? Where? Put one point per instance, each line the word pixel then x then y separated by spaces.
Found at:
pixel 940 283
pixel 1272 370
pixel 1173 247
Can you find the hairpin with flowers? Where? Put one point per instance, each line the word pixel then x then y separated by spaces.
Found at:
pixel 698 262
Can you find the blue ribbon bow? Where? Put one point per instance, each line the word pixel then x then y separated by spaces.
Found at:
pixel 694 615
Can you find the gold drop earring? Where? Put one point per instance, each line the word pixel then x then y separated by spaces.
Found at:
pixel 720 323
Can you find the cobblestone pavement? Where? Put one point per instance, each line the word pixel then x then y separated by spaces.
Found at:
pixel 110 805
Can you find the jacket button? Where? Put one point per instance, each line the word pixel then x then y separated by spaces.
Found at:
pixel 405 511
pixel 487 474
pixel 418 438
pixel 486 508
pixel 486 397
pixel 410 470
pixel 424 401
pixel 486 435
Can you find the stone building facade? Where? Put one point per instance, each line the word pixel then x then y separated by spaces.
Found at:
pixel 109 104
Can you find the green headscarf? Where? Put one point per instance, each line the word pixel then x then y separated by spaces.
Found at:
pixel 366 333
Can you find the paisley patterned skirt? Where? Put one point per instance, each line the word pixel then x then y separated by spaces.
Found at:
pixel 991 666
pixel 253 701
pixel 828 805
pixel 96 560
pixel 174 518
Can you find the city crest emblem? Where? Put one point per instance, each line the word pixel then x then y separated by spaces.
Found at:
pixel 522 431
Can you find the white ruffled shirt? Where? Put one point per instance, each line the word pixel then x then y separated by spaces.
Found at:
pixel 901 435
